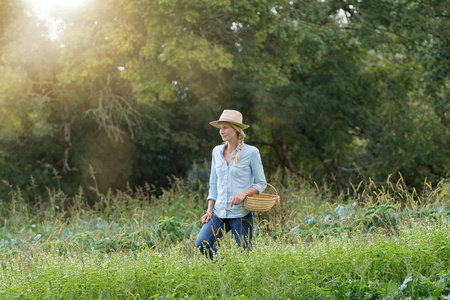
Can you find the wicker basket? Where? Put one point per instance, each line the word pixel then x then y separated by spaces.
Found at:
pixel 262 202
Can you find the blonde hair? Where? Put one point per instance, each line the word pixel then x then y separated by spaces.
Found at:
pixel 241 137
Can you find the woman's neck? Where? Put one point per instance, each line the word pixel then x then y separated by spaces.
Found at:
pixel 231 145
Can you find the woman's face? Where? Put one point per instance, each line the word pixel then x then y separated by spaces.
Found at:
pixel 227 132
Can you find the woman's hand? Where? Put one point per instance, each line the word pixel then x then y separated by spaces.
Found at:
pixel 206 217
pixel 241 196
pixel 238 198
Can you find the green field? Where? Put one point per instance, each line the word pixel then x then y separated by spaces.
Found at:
pixel 372 242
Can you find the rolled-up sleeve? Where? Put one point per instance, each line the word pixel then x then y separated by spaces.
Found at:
pixel 258 171
pixel 213 180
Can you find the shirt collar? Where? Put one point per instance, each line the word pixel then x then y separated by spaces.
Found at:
pixel 222 147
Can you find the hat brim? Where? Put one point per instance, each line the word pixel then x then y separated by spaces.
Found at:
pixel 216 124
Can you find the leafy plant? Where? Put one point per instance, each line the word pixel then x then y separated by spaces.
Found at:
pixel 379 217
pixel 169 229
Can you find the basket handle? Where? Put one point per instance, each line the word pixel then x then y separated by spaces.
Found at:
pixel 266 183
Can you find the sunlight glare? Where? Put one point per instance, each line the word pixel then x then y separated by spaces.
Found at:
pixel 47 10
pixel 46 7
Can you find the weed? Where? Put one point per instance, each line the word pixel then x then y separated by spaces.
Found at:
pixel 134 245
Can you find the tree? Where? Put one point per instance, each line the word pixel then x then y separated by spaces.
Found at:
pixel 338 91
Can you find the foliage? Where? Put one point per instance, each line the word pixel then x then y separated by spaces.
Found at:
pixel 379 216
pixel 126 248
pixel 169 229
pixel 335 91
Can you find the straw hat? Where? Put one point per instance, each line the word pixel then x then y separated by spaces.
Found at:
pixel 230 116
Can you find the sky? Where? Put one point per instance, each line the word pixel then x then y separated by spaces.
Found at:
pixel 47 10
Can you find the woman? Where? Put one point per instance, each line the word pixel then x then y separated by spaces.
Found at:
pixel 236 168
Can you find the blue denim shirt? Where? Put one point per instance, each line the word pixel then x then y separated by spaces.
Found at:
pixel 226 181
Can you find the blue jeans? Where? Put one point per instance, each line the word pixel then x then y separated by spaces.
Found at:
pixel 215 228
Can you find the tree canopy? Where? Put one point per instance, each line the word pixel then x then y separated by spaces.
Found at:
pixel 335 91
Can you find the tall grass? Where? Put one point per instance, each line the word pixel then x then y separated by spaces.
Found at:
pixel 370 242
pixel 334 267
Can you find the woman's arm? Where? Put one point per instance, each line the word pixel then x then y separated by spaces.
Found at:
pixel 258 171
pixel 213 179
pixel 241 196
pixel 212 196
pixel 206 217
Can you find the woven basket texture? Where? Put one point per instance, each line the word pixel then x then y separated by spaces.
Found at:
pixel 262 202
